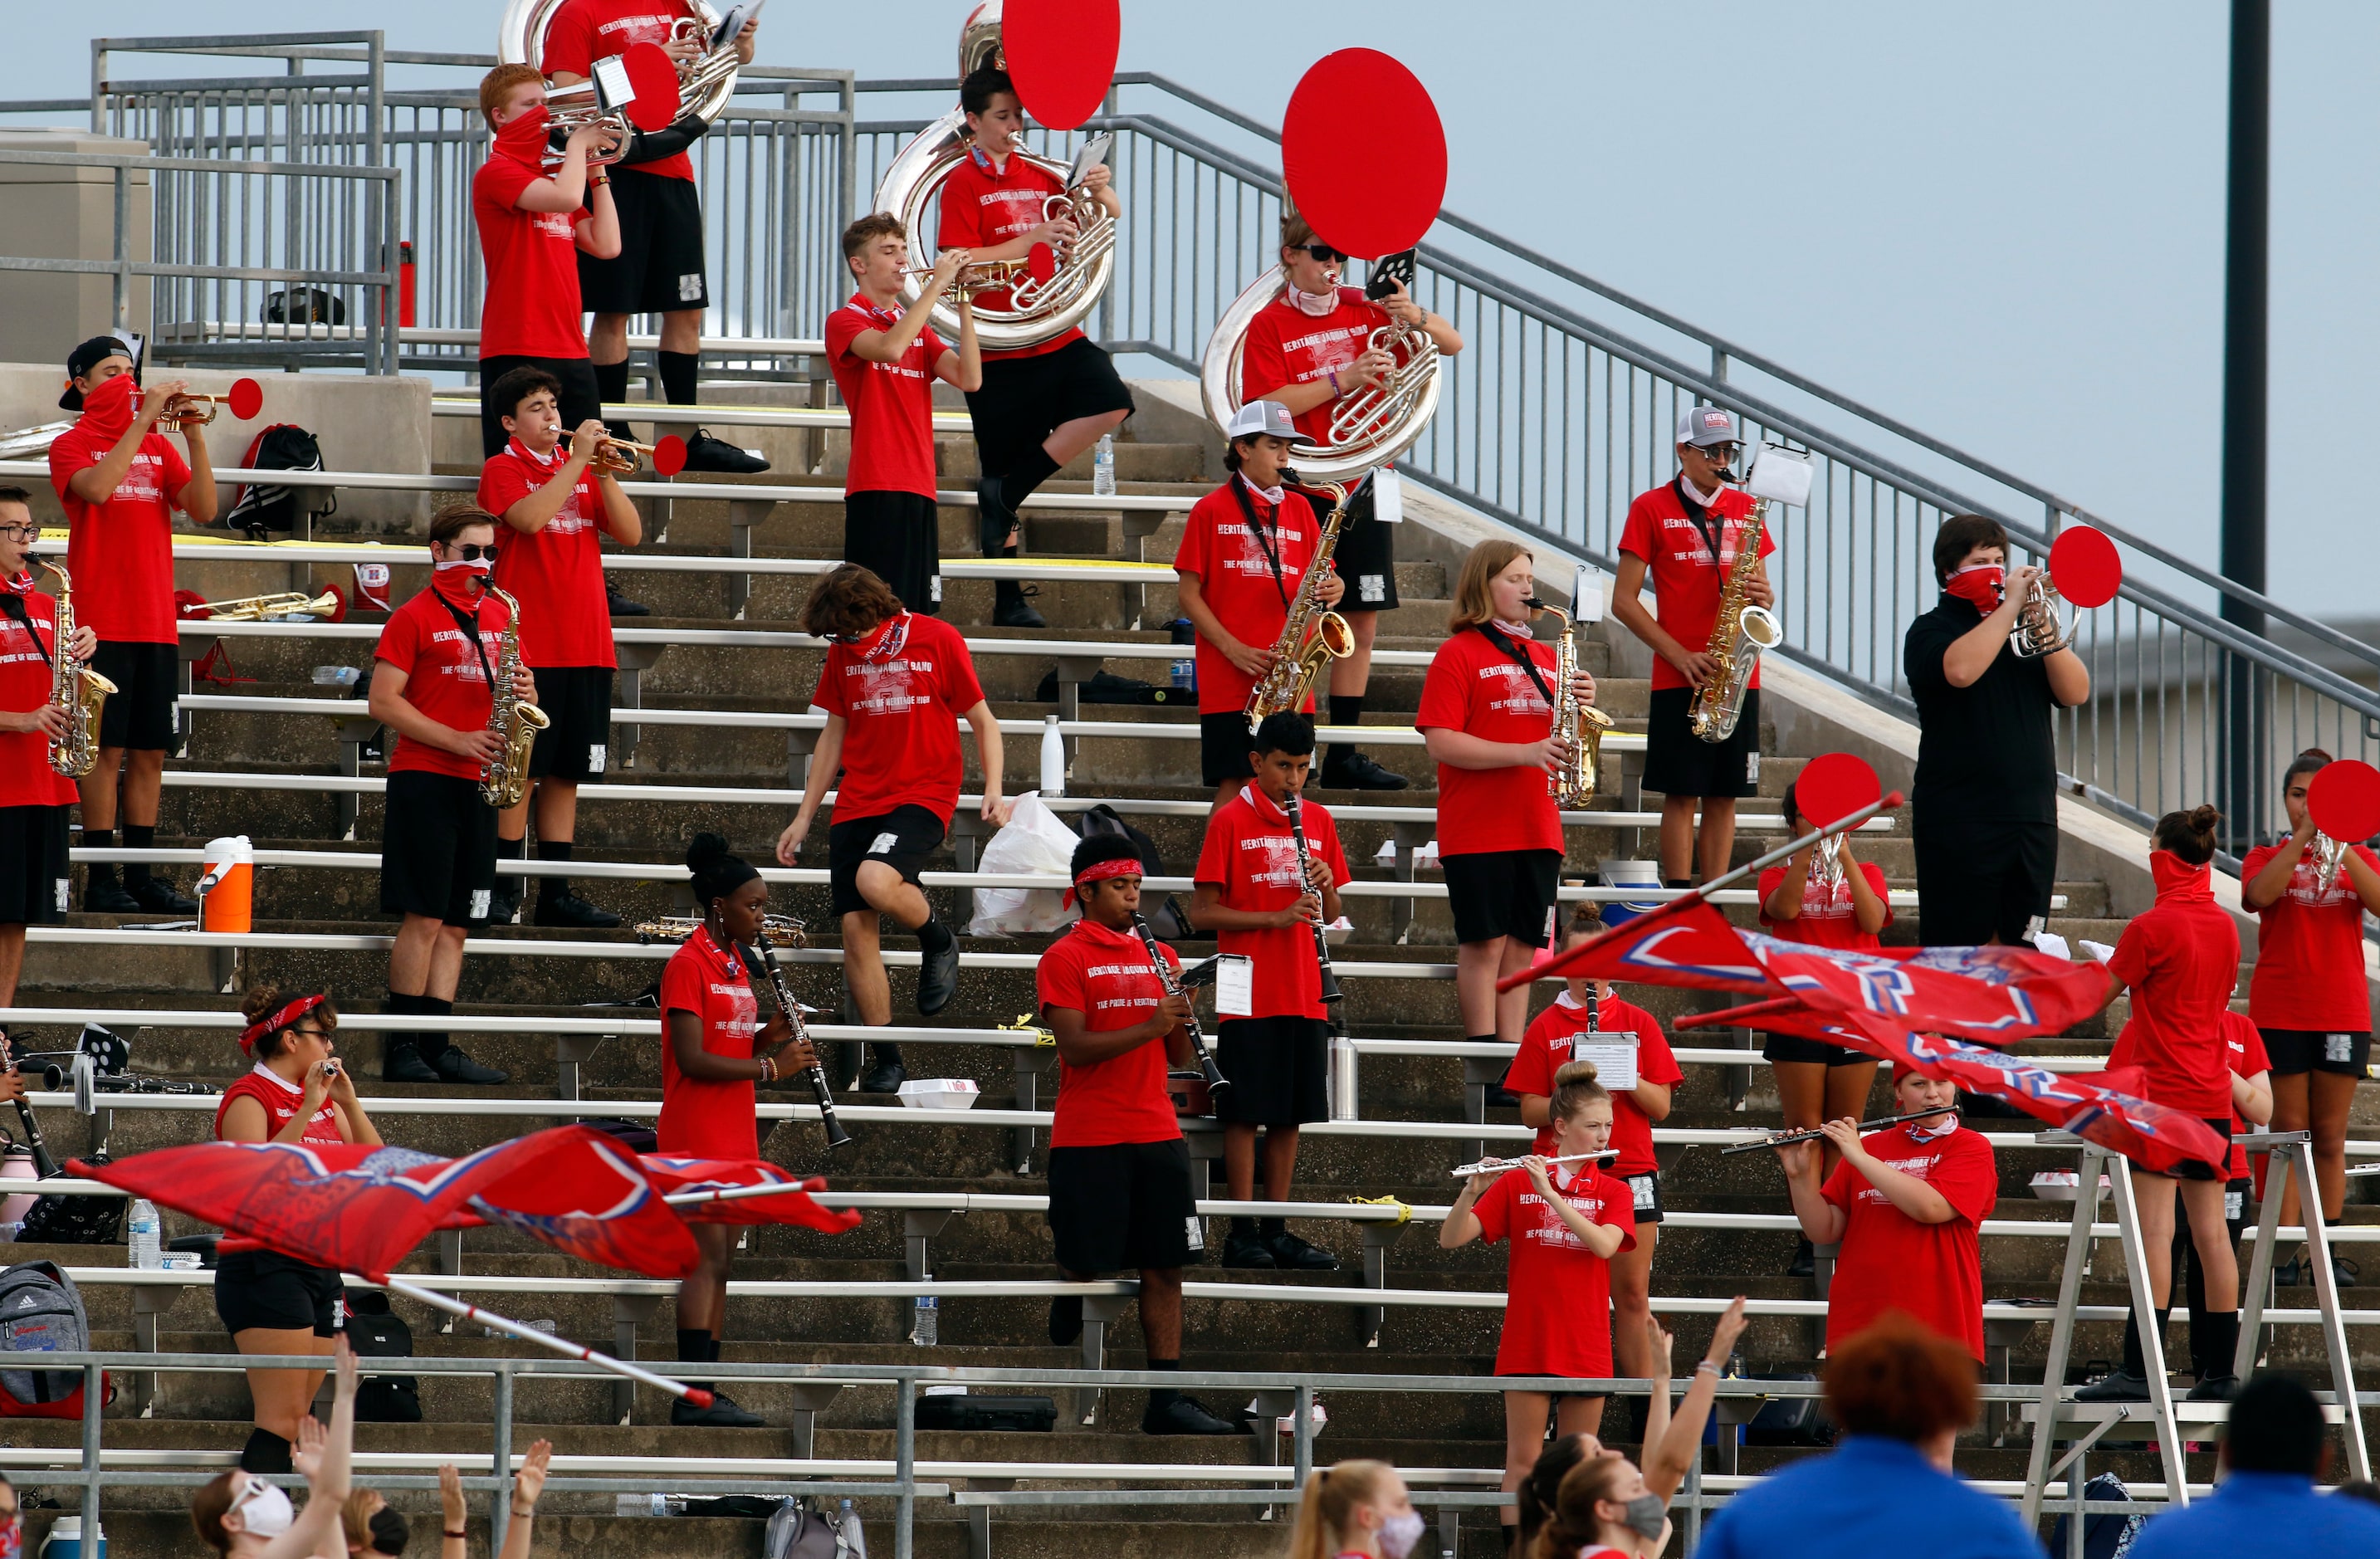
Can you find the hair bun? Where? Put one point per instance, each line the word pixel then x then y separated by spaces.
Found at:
pixel 2202 819
pixel 705 851
pixel 259 1000
pixel 2316 753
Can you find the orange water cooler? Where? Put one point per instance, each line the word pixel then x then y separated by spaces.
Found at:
pixel 226 889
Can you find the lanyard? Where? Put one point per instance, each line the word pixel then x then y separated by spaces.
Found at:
pixel 1696 515
pixel 1518 656
pixel 1256 529
pixel 14 605
pixel 470 627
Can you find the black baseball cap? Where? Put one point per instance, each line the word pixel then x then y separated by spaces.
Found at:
pixel 89 354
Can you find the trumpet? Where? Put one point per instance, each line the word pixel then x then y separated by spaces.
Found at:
pixel 979 275
pixel 781 931
pixel 259 608
pixel 1780 1138
pixel 182 408
pixel 622 457
pixel 1497 1166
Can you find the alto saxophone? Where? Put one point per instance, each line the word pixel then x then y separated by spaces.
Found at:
pixel 1580 725
pixel 78 690
pixel 1740 634
pixel 503 779
pixel 1311 636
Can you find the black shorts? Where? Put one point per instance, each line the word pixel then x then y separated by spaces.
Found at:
pixel 1502 892
pixel 264 1288
pixel 1976 880
pixel 903 840
pixel 577 700
pixel 580 398
pixel 1647 1189
pixel 2295 1052
pixel 1366 560
pixel 446 868
pixel 139 714
pixel 1224 743
pixel 660 266
pixel 898 537
pixel 2199 1169
pixel 1678 762
pixel 1277 1068
pixel 34 887
pixel 1023 398
pixel 1124 1205
pixel 1793 1047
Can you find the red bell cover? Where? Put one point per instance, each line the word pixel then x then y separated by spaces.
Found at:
pixel 673 1177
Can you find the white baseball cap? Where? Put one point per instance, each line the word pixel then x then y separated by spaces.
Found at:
pixel 1706 425
pixel 1267 417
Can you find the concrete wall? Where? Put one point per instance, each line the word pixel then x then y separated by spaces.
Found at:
pixel 60 212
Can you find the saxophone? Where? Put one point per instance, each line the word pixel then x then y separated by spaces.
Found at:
pixel 1580 725
pixel 1738 636
pixel 1310 637
pixel 78 690
pixel 505 778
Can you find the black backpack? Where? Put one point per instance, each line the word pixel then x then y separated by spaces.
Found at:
pixel 2106 1533
pixel 284 446
pixel 375 1332
pixel 1168 919
pixel 304 304
pixel 75 1220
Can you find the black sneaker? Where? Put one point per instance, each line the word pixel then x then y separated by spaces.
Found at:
pixel 572 910
pixel 995 521
pixel 886 1076
pixel 503 902
pixel 108 898
pixel 1347 769
pixel 1805 1262
pixel 704 453
pixel 2117 1386
pixel 1183 1414
pixel 453 1067
pixel 1502 1098
pixel 723 1413
pixel 401 1063
pixel 620 605
pixel 1292 1254
pixel 2214 1388
pixel 2343 1271
pixel 1011 609
pixel 938 970
pixel 1249 1250
pixel 156 897
pixel 1065 1319
pixel 2291 1273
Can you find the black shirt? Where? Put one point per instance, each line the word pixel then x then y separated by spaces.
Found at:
pixel 1985 751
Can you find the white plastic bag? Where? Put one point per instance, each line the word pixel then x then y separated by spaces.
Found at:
pixel 1033 840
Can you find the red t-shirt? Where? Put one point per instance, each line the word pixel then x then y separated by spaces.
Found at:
pixel 1890 1261
pixel 2246 1048
pixel 1685 581
pixel 1827 914
pixel 2309 973
pixel 1234 567
pixel 1287 347
pixel 531 308
pixel 1545 1049
pixel 1474 687
pixel 982 209
pixel 280 1099
pixel 583 31
pixel 2181 959
pixel 556 573
pixel 892 403
pixel 712 1120
pixel 444 676
pixel 1105 975
pixel 25 777
pixel 1557 1292
pixel 901 695
pixel 121 553
pixel 1251 856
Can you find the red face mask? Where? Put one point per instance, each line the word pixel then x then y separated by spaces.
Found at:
pixel 523 137
pixel 1982 583
pixel 108 407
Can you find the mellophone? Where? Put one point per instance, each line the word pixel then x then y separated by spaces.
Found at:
pixel 1497 1166
pixel 1782 1138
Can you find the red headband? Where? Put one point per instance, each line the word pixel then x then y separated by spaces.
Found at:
pixel 273 1022
pixel 1126 866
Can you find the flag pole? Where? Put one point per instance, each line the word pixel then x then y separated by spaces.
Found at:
pixel 435 1300
pixel 731 1193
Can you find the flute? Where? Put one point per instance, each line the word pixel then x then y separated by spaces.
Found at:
pixel 1486 1166
pixel 1216 1081
pixel 1779 1139
pixel 767 959
pixel 1330 992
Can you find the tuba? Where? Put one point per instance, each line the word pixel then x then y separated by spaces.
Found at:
pixel 1311 637
pixel 78 690
pixel 1036 310
pixel 503 780
pixel 1582 726
pixel 704 85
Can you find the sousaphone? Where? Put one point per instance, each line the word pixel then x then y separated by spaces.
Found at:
pixel 705 84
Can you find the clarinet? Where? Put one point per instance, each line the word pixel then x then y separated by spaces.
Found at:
pixel 44 1166
pixel 1330 992
pixel 767 959
pixel 1216 1081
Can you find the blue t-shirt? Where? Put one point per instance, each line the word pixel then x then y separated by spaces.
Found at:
pixel 1871 1496
pixel 2253 1513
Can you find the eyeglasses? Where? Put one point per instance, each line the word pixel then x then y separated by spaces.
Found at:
pixel 471 552
pixel 1324 252
pixel 27 532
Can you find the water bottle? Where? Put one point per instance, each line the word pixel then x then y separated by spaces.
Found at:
pixel 854 1541
pixel 340 677
pixel 1053 759
pixel 1103 467
pixel 1186 670
pixel 148 1253
pixel 926 1331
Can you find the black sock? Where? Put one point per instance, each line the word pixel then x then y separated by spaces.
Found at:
pixel 886 1055
pixel 394 1043
pixel 1677 882
pixel 933 936
pixel 1273 1228
pixel 612 382
pixel 266 1452
pixel 1163 1397
pixel 433 1046
pixel 138 836
pixel 2219 1344
pixel 693 1347
pixel 1244 1228
pixel 1066 1320
pixel 1032 469
pixel 552 888
pixel 2135 1353
pixel 1346 709
pixel 678 376
pixel 507 883
pixel 100 839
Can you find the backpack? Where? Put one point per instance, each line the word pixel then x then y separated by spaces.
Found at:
pixel 1106 686
pixel 375 1332
pixel 75 1220
pixel 1168 919
pixel 2106 1534
pixel 284 446
pixel 796 1531
pixel 41 1312
pixel 304 304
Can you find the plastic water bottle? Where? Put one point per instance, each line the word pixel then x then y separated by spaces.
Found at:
pixel 1053 759
pixel 1103 467
pixel 337 677
pixel 147 1251
pixel 854 1541
pixel 926 1331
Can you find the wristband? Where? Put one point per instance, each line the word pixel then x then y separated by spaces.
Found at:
pixel 525 1515
pixel 1334 382
pixel 459 1536
pixel 768 1069
pixel 1706 1368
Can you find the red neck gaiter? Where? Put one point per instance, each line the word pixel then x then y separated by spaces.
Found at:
pixel 2178 882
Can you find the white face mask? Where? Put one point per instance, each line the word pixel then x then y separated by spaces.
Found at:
pixel 1317 304
pixel 265 1510
pixel 1399 1532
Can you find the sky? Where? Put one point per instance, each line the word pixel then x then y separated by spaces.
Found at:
pixel 2001 223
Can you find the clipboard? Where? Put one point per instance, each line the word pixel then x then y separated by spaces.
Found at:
pixel 1088 156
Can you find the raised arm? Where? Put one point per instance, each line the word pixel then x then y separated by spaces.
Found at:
pixel 323 1456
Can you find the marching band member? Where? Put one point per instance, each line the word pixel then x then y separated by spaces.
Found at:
pixel 2251 1110
pixel 894 686
pixel 656 265
pixel 2307 995
pixel 1586 1007
pixel 1247 891
pixel 2179 959
pixel 533 226
pixel 1907 1205
pixel 1041 406
pixel 432 684
pixel 296 1091
pixel 1309 347
pixel 119 481
pixel 1120 1188
pixel 717 1052
pixel 885 362
pixel 1358 1509
pixel 1685 533
pixel 554 505
pixel 34 798
pixel 1242 557
pixel 1487 714
pixel 1816 1081
pixel 1566 1222
pixel 1983 809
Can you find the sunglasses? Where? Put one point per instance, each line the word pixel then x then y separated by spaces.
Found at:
pixel 1325 254
pixel 471 552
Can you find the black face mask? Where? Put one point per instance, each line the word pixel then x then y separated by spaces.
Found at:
pixel 388 1530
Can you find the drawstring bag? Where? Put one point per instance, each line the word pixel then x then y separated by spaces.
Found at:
pixel 1034 841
